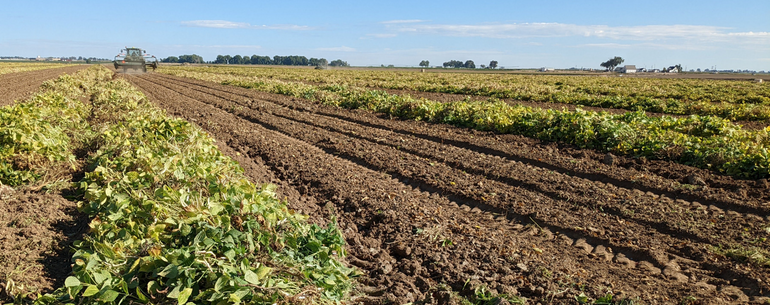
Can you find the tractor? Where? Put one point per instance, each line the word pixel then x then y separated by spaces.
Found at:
pixel 134 60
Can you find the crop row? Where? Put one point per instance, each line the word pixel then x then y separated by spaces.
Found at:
pixel 702 141
pixel 734 100
pixel 173 220
pixel 13 67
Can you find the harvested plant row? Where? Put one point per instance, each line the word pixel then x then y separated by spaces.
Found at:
pixel 14 67
pixel 701 141
pixel 733 100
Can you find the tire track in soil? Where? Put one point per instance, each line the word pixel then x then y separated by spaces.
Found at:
pixel 554 244
pixel 662 178
pixel 662 259
pixel 20 85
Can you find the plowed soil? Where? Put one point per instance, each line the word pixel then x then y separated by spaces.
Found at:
pixel 19 86
pixel 36 234
pixel 427 208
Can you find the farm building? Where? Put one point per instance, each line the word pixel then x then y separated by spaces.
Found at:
pixel 626 69
pixel 544 69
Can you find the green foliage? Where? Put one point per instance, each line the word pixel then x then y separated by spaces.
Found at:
pixel 482 296
pixel 36 136
pixel 754 255
pixel 612 63
pixel 174 220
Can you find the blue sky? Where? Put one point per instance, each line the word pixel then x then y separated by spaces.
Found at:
pixel 518 34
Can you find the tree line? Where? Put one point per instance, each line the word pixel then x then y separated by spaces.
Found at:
pixel 292 60
pixel 468 64
pixel 193 59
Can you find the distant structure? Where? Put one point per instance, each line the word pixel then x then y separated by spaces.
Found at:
pixel 626 69
pixel 544 69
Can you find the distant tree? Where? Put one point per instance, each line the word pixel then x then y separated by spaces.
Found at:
pixel 195 59
pixel 318 62
pixel 425 63
pixel 220 60
pixel 261 60
pixel 237 60
pixel 227 59
pixel 339 63
pixel 454 64
pixel 612 63
pixel 493 64
pixel 678 68
pixel 469 64
pixel 483 66
pixel 171 59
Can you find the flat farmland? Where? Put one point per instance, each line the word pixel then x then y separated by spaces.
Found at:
pixel 382 187
pixel 425 205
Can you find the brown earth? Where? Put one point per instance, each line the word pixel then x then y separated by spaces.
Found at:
pixel 36 234
pixel 19 86
pixel 426 204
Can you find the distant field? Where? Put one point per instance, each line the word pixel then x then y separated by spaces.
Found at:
pixel 733 100
pixel 13 67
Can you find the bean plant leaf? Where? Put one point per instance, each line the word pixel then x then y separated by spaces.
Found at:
pixel 71 281
pixel 109 296
pixel 90 290
pixel 184 295
pixel 251 277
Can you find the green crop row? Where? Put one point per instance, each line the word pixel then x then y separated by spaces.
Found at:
pixel 173 220
pixel 734 100
pixel 35 136
pixel 703 141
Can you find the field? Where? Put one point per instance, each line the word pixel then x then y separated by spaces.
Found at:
pixel 440 188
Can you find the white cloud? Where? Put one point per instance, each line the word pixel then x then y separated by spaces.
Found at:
pixel 702 33
pixel 224 24
pixel 337 49
pixel 403 21
pixel 646 45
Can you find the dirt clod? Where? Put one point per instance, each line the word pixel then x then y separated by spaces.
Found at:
pixel 610 159
pixel 696 180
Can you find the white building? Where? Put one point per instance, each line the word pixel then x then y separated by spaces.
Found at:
pixel 626 69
